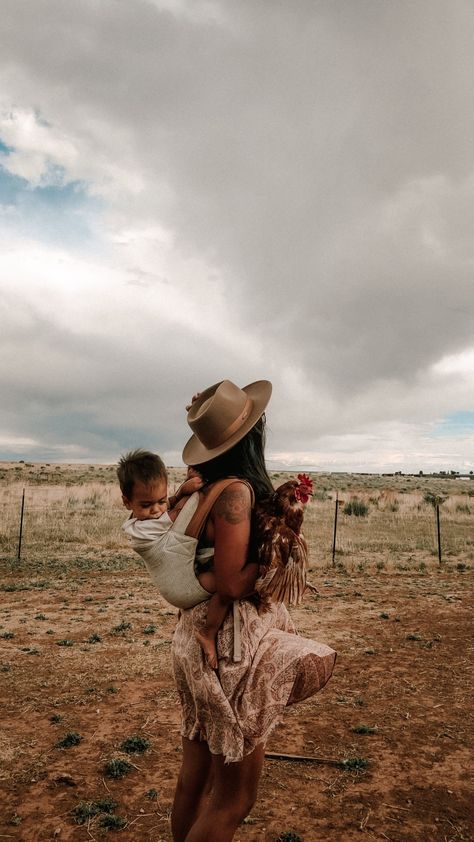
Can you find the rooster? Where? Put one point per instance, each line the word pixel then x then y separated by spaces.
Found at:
pixel 281 547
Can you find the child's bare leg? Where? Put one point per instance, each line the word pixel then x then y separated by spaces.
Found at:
pixel 217 608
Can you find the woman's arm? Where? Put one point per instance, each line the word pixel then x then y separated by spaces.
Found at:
pixel 230 523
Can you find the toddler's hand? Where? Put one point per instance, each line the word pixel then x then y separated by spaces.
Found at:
pixel 189 486
pixel 194 398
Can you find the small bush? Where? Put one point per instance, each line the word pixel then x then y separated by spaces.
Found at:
pixel 117 768
pixel 434 500
pixel 363 729
pixel 87 809
pixel 289 836
pixel 356 507
pixel 94 638
pixel 354 764
pixel 123 626
pixel 135 745
pixel 112 822
pixel 72 738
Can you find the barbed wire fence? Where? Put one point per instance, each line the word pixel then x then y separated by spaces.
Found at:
pixel 27 524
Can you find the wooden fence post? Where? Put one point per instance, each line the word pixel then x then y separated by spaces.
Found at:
pixel 21 524
pixel 335 529
pixel 439 533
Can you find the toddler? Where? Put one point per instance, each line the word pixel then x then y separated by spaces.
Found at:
pixel 143 482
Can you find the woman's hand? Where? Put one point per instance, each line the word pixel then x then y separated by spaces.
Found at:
pixel 230 519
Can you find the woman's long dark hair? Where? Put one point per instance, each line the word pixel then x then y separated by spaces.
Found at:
pixel 246 460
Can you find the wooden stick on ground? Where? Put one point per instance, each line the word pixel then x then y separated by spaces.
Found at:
pixel 272 755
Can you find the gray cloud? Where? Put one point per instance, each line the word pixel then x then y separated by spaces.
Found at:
pixel 317 155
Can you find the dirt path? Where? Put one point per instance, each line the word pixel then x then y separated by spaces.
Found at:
pixel 400 699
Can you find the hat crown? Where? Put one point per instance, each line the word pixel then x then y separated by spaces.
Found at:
pixel 215 417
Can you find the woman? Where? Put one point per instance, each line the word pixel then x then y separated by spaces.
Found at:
pixel 228 715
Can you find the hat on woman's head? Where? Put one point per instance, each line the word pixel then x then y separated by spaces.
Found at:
pixel 221 416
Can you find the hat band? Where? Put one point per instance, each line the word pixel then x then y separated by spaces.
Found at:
pixel 232 428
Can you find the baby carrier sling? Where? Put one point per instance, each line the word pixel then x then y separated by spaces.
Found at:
pixel 170 559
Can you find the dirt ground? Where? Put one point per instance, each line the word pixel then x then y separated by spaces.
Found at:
pixel 88 653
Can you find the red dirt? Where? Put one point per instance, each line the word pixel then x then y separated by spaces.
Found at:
pixel 402 669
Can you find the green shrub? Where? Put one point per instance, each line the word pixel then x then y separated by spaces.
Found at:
pixel 112 822
pixel 117 768
pixel 289 836
pixel 356 507
pixel 88 809
pixel 434 500
pixel 72 738
pixel 135 745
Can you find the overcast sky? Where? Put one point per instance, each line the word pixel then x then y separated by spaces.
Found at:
pixel 193 190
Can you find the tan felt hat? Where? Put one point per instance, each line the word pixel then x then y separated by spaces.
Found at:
pixel 221 416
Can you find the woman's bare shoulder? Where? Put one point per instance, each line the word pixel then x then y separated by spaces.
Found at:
pixel 234 505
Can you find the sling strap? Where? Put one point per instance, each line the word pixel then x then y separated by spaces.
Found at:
pixel 207 498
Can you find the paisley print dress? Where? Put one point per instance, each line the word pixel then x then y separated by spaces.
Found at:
pixel 235 708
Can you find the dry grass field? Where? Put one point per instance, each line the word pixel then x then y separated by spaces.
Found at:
pixel 86 681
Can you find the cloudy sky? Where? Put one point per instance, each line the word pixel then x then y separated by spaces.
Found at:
pixel 193 190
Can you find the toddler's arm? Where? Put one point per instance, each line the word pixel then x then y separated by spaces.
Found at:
pixel 188 487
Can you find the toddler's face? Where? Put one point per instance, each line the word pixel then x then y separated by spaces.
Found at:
pixel 148 499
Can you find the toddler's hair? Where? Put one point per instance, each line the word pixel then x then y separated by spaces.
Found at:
pixel 139 465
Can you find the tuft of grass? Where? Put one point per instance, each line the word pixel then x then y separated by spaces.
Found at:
pixel 55 718
pixel 94 638
pixel 7 635
pixel 364 729
pixel 289 836
pixel 112 822
pixel 354 764
pixel 117 768
pixel 72 738
pixel 384 616
pixel 65 642
pixel 40 617
pixel 88 809
pixel 151 794
pixel 150 629
pixel 123 626
pixel 413 637
pixel 135 744
pixel 356 507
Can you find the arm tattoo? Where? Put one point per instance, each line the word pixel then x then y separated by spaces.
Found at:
pixel 233 505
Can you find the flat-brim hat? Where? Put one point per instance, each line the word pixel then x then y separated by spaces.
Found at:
pixel 221 416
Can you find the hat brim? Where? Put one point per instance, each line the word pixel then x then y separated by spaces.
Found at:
pixel 195 453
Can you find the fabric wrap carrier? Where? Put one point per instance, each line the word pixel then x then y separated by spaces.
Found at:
pixel 170 561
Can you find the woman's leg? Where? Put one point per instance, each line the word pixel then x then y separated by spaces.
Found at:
pixel 234 790
pixel 193 785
